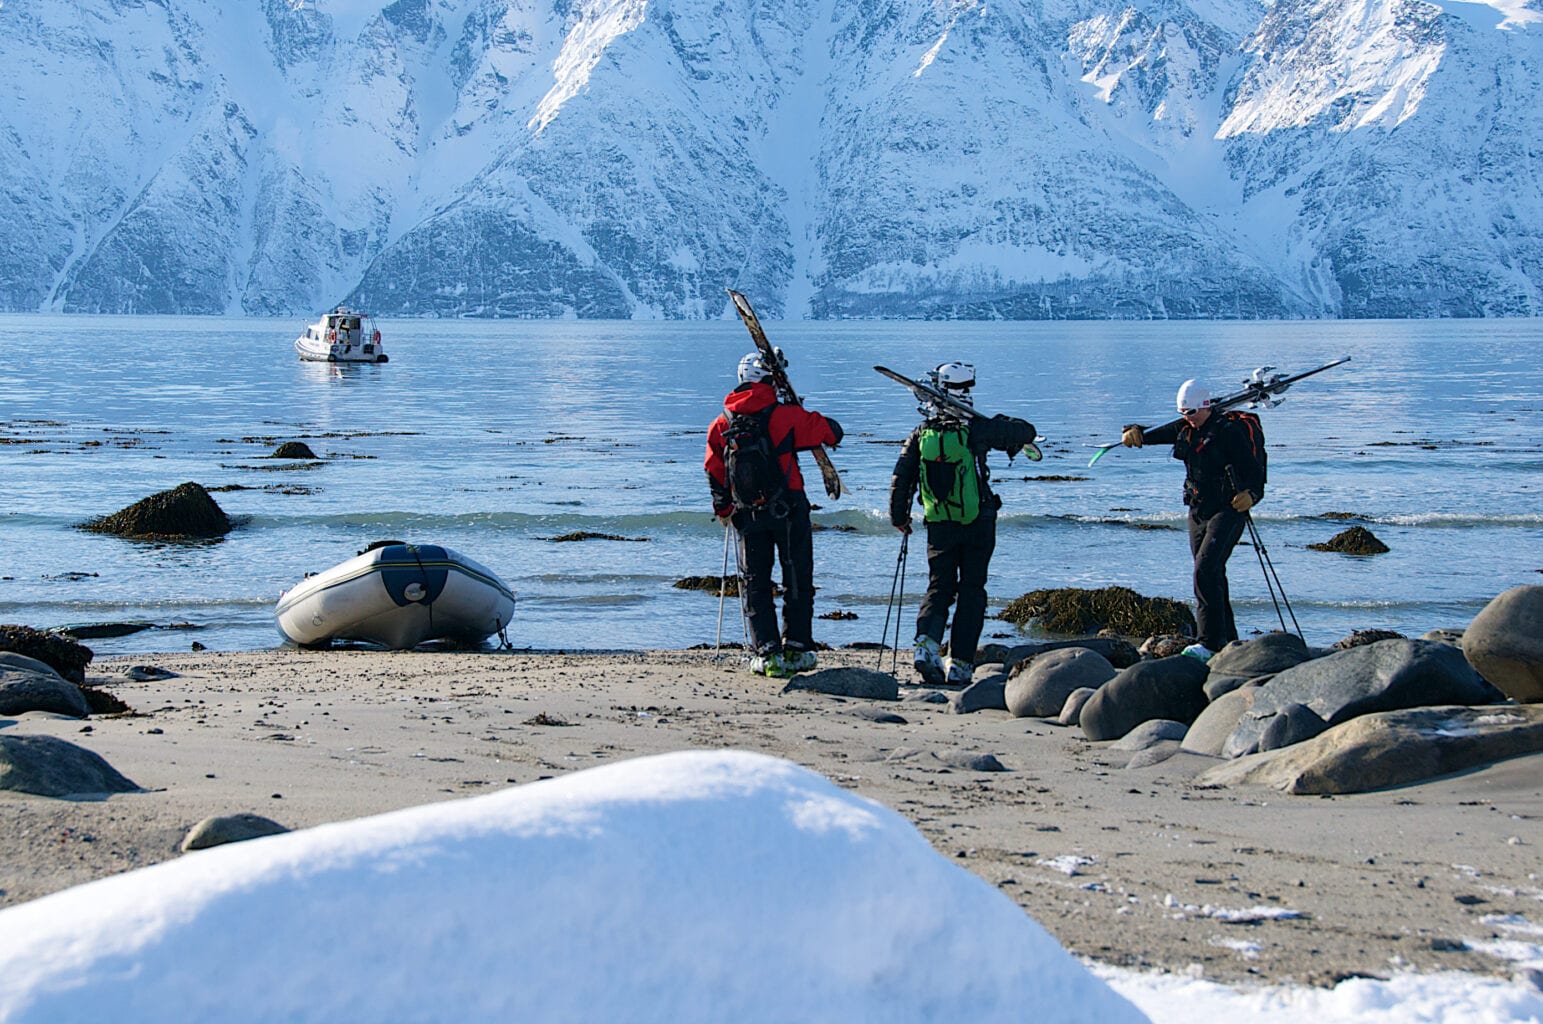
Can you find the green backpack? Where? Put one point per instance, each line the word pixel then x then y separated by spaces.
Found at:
pixel 950 488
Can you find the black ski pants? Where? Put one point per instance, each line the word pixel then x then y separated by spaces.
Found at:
pixel 957 559
pixel 1211 540
pixel 789 539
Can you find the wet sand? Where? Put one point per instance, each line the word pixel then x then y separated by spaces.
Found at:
pixel 1132 867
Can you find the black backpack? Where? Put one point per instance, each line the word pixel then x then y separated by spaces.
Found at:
pixel 1253 431
pixel 753 470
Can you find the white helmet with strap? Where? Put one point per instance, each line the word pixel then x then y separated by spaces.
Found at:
pixel 1193 395
pixel 754 366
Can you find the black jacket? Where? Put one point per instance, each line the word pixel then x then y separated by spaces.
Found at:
pixel 1218 459
pixel 1004 433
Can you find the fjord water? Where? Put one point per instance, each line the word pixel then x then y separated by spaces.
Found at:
pixel 494 437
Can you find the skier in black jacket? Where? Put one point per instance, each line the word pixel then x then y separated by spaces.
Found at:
pixel 946 457
pixel 1223 479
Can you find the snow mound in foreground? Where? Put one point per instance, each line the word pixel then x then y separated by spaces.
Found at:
pixel 685 887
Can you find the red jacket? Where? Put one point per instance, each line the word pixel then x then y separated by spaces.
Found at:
pixel 792 427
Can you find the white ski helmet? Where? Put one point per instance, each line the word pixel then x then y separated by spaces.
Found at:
pixel 754 366
pixel 955 377
pixel 1193 395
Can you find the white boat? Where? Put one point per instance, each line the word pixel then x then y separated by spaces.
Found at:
pixel 398 596
pixel 341 336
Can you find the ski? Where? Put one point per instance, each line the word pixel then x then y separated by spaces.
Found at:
pixel 939 398
pixel 774 361
pixel 1258 391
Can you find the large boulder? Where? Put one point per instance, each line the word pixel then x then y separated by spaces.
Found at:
pixel 186 512
pixel 59 653
pixel 29 685
pixel 1384 676
pixel 1119 653
pixel 1209 732
pixel 1265 655
pixel 47 766
pixel 1504 643
pixel 1293 724
pixel 1038 688
pixel 864 683
pixel 1167 688
pixel 1392 748
pixel 988 694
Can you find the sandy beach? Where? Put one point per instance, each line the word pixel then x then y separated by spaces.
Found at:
pixel 1131 867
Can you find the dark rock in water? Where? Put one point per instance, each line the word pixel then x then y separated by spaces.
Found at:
pixel 1208 734
pixel 1383 676
pixel 1071 711
pixel 46 766
pixel 102 630
pixel 1504 643
pixel 1362 637
pixel 1168 688
pixel 864 683
pixel 29 685
pixel 1071 610
pixel 1291 724
pixel 728 585
pixel 232 828
pixel 1357 540
pixel 1391 748
pixel 1273 652
pixel 1150 733
pixel 184 512
pixel 293 450
pixel 578 535
pixel 59 653
pixel 989 694
pixel 839 616
pixel 1120 653
pixel 1038 688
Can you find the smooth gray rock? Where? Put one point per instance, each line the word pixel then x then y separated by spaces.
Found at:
pixel 1217 686
pixel 863 683
pixel 1262 656
pixel 1504 643
pixel 1208 734
pixel 1038 687
pixel 926 697
pixel 27 684
pixel 1150 733
pixel 1384 676
pixel 1445 636
pixel 230 828
pixel 947 759
pixel 1121 653
pixel 881 715
pixel 1166 688
pixel 47 766
pixel 987 694
pixel 1293 723
pixel 1071 711
pixel 1392 748
pixel 1157 753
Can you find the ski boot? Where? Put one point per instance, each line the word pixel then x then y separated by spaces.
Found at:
pixel 927 657
pixel 960 673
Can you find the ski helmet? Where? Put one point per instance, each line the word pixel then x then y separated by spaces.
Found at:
pixel 754 367
pixel 955 376
pixel 1193 395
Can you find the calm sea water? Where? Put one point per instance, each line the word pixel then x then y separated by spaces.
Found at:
pixel 494 437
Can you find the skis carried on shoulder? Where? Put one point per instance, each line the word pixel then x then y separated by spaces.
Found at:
pixel 929 393
pixel 1259 391
pixel 774 360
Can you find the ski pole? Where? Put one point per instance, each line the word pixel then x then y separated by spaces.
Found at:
pixel 1268 565
pixel 889 609
pixel 894 660
pixel 723 589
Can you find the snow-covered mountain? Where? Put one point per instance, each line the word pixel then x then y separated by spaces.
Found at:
pixel 830 158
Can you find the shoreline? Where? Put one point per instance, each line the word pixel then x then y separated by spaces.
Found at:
pixel 1130 867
